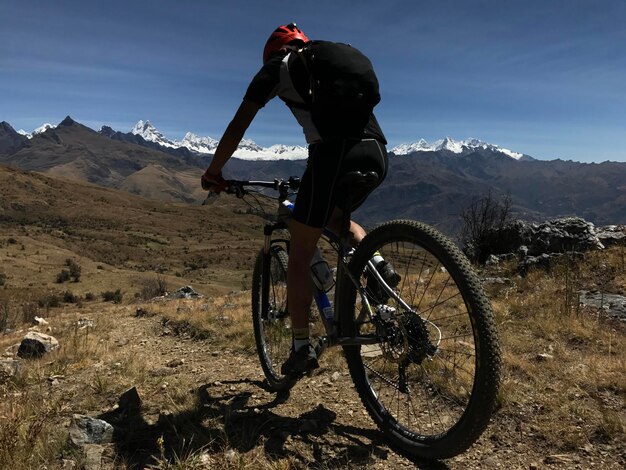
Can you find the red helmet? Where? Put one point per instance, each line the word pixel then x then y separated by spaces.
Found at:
pixel 282 36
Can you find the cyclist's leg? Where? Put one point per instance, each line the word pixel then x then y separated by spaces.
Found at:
pixel 312 206
pixel 299 295
pixel 334 224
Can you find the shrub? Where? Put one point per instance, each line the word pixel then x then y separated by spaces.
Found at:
pixel 69 297
pixel 49 301
pixel 63 276
pixel 89 296
pixel 3 279
pixel 74 268
pixel 482 218
pixel 113 296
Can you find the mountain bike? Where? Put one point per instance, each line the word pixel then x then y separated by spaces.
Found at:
pixel 423 354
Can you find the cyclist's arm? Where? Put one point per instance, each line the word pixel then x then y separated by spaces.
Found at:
pixel 233 135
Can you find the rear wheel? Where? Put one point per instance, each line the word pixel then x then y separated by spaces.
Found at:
pixel 270 319
pixel 430 384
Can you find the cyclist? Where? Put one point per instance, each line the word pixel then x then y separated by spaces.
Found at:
pixel 339 142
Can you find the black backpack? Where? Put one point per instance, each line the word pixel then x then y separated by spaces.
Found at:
pixel 343 88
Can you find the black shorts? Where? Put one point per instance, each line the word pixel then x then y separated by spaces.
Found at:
pixel 327 163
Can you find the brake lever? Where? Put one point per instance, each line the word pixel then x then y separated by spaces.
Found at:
pixel 236 188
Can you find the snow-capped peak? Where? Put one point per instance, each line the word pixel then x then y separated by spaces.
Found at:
pixel 198 144
pixel 146 130
pixel 461 147
pixel 247 149
pixel 39 130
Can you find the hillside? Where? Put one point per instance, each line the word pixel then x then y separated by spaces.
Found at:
pixel 119 238
pixel 75 151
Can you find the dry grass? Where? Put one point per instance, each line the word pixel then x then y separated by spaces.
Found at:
pixel 565 380
pixel 569 399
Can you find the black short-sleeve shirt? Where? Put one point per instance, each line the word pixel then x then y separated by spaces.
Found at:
pixel 266 84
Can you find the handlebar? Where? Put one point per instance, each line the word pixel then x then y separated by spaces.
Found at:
pixel 237 187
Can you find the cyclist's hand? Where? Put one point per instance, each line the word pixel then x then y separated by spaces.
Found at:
pixel 214 183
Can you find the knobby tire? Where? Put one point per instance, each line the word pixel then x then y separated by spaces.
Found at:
pixel 272 334
pixel 431 384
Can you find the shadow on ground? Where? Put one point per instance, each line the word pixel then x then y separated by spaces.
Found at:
pixel 221 420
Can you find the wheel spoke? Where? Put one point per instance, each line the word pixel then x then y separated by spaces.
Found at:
pixel 418 380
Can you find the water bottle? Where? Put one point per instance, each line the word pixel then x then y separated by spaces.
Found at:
pixel 321 273
pixel 327 310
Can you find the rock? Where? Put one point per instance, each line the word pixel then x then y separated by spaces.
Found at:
pixel 175 363
pixel 522 239
pixel 68 463
pixel 231 455
pixel 87 430
pixel 544 261
pixel 130 401
pixel 85 323
pixel 93 456
pixel 335 376
pixel 40 321
pixel 36 345
pixel 545 357
pixel 185 292
pixel 614 305
pixel 612 235
pixel 563 235
pixel 9 368
pixel 11 351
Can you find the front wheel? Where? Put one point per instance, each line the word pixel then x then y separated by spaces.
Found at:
pixel 430 383
pixel 270 319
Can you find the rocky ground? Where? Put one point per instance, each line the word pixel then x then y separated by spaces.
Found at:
pixel 204 405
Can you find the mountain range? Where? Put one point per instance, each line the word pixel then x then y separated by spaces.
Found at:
pixel 427 181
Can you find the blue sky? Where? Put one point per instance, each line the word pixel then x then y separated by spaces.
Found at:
pixel 546 78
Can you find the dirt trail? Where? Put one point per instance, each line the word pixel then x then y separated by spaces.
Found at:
pixel 321 424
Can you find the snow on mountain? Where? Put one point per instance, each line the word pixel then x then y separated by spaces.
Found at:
pixel 275 152
pixel 39 130
pixel 247 149
pixel 151 134
pixel 198 144
pixel 451 145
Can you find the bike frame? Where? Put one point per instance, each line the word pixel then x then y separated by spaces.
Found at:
pixel 334 336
